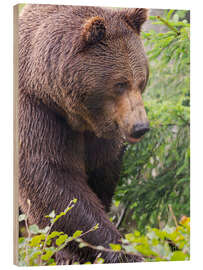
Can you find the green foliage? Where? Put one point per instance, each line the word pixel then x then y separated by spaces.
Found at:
pixel 156 170
pixel 167 244
pixel 169 56
pixel 42 244
pixel 115 247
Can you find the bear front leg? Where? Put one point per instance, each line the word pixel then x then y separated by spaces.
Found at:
pixel 49 188
pixel 104 180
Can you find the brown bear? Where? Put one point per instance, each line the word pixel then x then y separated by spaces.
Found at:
pixel 82 71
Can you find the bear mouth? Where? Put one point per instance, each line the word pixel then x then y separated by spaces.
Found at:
pixel 132 140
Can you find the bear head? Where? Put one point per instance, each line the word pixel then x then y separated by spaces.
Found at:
pixel 94 68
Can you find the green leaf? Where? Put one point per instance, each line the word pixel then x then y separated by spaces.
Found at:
pixel 130 237
pixel 36 240
pixel 99 261
pixel 136 233
pixel 54 234
pixel 47 255
pixel 169 14
pixel 96 226
pixel 77 234
pixel 153 18
pixel 82 244
pixel 51 262
pixel 51 215
pixel 116 203
pixel 145 250
pixel 178 256
pixel 61 239
pixel 45 230
pixel 34 229
pixel 115 247
pixel 36 255
pixel 22 217
pixel 21 240
pixel 57 217
pixel 74 200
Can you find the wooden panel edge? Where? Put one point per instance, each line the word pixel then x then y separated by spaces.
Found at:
pixel 15 135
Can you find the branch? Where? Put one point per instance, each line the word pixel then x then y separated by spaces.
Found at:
pixel 101 248
pixel 121 218
pixel 173 216
pixel 168 25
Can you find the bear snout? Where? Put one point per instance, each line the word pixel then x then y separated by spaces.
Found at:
pixel 139 130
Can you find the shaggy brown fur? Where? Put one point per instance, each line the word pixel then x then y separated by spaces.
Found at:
pixel 81 73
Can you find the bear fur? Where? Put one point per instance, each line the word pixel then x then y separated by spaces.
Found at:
pixel 81 74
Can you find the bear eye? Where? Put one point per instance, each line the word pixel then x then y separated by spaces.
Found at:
pixel 121 87
pixel 142 85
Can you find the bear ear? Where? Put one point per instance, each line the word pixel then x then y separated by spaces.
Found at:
pixel 93 30
pixel 135 17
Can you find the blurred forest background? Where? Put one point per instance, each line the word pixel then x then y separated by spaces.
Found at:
pixel 154 188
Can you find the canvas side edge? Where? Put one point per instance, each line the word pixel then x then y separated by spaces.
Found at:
pixel 15 135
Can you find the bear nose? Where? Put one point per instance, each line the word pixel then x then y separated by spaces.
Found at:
pixel 139 130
